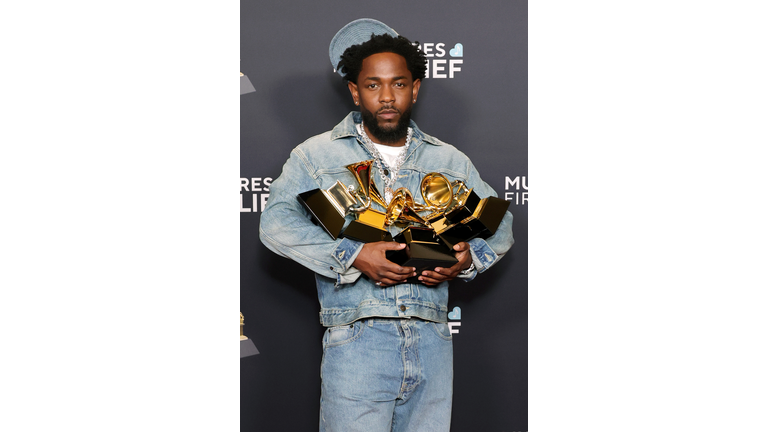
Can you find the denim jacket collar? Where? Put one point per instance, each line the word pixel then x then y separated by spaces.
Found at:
pixel 346 128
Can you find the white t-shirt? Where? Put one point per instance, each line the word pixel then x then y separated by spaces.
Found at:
pixel 389 153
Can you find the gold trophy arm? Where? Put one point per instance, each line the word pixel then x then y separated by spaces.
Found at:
pixel 403 209
pixel 364 202
pixel 459 188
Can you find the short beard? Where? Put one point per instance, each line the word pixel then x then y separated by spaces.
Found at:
pixel 389 135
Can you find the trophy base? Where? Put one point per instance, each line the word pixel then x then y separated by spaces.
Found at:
pixel 423 251
pixel 365 233
pixel 458 214
pixel 463 233
pixel 483 223
pixel 323 212
pixel 490 212
pixel 245 85
pixel 247 348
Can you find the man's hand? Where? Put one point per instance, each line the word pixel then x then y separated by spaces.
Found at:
pixel 440 274
pixel 373 262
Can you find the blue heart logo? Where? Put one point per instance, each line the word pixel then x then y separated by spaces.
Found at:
pixel 455 314
pixel 457 51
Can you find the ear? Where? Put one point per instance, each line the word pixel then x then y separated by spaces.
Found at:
pixel 353 90
pixel 416 87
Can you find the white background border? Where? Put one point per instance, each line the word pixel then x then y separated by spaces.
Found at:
pixel 120 242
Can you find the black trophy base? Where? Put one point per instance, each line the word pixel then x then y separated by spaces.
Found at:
pixel 322 211
pixel 245 85
pixel 463 233
pixel 490 212
pixel 247 348
pixel 365 233
pixel 483 223
pixel 460 213
pixel 423 251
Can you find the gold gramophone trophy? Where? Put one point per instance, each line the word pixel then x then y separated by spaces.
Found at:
pixel 329 207
pixel 467 216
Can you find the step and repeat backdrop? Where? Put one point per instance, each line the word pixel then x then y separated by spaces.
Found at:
pixel 474 97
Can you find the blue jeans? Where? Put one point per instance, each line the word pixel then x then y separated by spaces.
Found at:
pixel 382 375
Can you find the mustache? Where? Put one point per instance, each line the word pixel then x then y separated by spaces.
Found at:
pixel 388 108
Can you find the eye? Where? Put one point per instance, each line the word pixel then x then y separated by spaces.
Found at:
pixel 372 85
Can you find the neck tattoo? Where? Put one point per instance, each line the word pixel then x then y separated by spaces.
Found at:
pixel 388 173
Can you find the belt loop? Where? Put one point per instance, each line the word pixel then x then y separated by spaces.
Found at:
pixel 370 322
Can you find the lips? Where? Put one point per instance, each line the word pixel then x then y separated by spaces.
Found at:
pixel 388 113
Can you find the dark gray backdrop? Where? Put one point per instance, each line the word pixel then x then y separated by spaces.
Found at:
pixel 482 110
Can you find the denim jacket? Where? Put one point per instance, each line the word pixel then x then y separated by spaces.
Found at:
pixel 345 294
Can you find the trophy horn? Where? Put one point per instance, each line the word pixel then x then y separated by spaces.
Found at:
pixel 362 173
pixel 402 209
pixel 437 192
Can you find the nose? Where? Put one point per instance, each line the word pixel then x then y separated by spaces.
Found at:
pixel 386 95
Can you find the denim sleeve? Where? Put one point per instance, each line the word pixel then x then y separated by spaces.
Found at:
pixel 287 230
pixel 487 252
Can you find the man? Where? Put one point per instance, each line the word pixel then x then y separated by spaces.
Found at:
pixel 387 350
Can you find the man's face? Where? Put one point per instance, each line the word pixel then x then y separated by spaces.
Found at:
pixel 385 91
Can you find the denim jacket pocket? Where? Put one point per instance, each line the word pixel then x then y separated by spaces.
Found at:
pixel 340 335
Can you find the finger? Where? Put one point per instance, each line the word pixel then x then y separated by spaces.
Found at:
pixel 398 276
pixel 441 276
pixel 392 245
pixel 428 280
pixel 461 246
pixel 434 276
pixel 385 282
pixel 438 272
pixel 396 269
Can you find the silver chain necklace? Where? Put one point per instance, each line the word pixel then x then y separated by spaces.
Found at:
pixel 389 180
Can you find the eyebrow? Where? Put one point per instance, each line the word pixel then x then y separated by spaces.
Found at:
pixel 397 78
